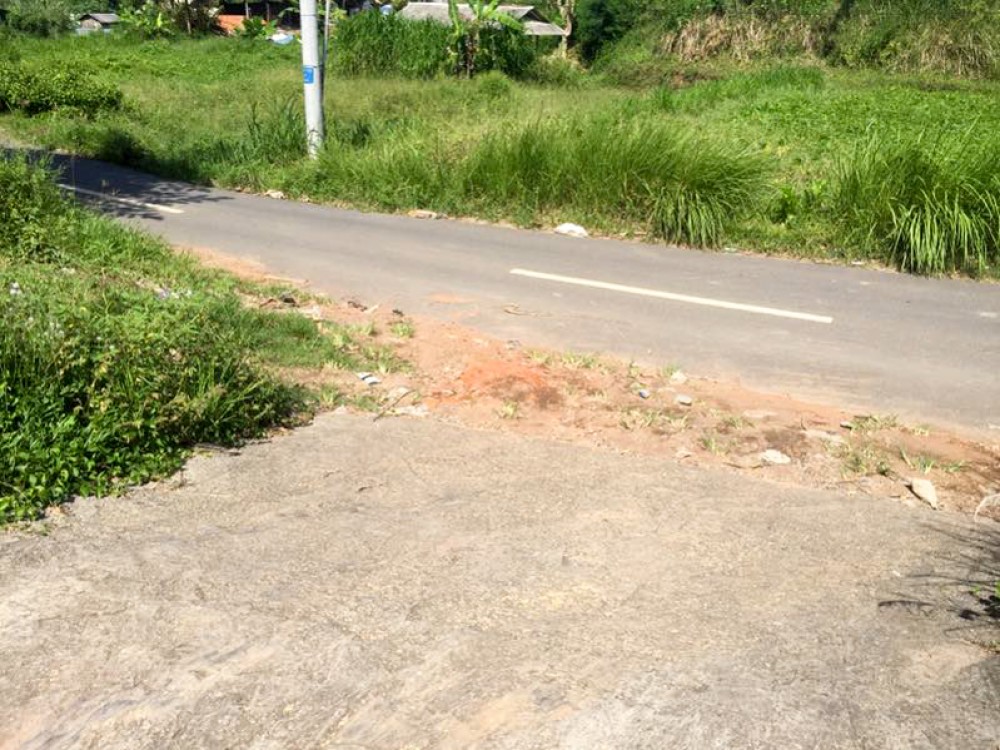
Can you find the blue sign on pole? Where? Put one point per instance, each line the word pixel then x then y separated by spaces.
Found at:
pixel 309 74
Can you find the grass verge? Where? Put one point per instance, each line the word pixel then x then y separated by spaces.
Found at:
pixel 117 356
pixel 778 157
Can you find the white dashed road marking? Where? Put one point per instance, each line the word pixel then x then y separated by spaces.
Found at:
pixel 642 292
pixel 120 199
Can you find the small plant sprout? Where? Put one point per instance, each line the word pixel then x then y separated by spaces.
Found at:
pixel 540 357
pixel 581 361
pixel 509 410
pixel 402 329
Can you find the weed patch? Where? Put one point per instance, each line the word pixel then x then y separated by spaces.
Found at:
pixel 117 356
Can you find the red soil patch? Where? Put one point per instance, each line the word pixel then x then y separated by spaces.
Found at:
pixel 463 376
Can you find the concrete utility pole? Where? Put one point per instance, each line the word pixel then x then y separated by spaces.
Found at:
pixel 312 77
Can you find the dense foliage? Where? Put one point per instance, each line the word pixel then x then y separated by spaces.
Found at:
pixel 33 90
pixel 372 44
pixel 117 356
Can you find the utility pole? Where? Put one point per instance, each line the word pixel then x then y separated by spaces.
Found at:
pixel 312 77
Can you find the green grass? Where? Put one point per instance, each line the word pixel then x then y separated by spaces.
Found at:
pixel 117 355
pixel 761 156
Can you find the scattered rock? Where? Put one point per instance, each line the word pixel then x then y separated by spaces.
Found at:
pixel 683 453
pixel 513 345
pixel 354 304
pixel 746 462
pixel 924 489
pixel 759 414
pixel 419 213
pixel 847 425
pixel 683 400
pixel 643 393
pixel 989 501
pixel 774 457
pixel 276 194
pixel 571 230
pixel 678 378
pixel 826 437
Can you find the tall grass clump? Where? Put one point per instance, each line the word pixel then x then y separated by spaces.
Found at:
pixel 376 45
pixel 621 171
pixel 116 356
pixel 925 205
pixel 373 44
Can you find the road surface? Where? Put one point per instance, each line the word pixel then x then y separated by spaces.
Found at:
pixel 926 349
pixel 411 584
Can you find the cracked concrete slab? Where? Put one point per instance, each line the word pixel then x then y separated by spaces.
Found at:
pixel 410 584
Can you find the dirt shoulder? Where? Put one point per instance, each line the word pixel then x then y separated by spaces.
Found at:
pixel 461 375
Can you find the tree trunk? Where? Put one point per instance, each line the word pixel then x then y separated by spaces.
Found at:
pixel 566 8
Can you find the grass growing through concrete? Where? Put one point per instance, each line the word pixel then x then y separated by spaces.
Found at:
pixel 776 156
pixel 117 356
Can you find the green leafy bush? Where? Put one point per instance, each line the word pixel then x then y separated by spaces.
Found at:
pixel 36 90
pixel 115 355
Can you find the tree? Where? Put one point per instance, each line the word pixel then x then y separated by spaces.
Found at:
pixel 192 16
pixel 466 32
pixel 567 12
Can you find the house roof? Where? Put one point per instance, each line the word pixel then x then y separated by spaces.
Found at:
pixel 105 19
pixel 534 24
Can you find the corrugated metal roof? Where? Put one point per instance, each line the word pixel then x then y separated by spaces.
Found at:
pixel 105 19
pixel 543 28
pixel 534 25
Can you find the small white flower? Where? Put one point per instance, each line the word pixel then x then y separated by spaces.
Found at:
pixel 15 289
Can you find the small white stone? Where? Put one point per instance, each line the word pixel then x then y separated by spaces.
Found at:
pixel 420 213
pixel 571 230
pixel 924 489
pixel 774 457
pixel 683 400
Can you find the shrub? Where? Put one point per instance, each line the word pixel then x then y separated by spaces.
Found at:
pixel 57 85
pixel 925 205
pixel 600 23
pixel 372 44
pixel 107 374
pixel 556 71
pixel 39 17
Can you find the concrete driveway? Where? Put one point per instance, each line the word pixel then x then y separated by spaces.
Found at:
pixel 409 584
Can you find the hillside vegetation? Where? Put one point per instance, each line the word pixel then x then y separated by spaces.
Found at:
pixel 638 42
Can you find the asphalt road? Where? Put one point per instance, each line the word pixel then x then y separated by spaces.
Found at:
pixel 926 349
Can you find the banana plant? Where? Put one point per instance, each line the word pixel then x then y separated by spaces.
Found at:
pixel 466 31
